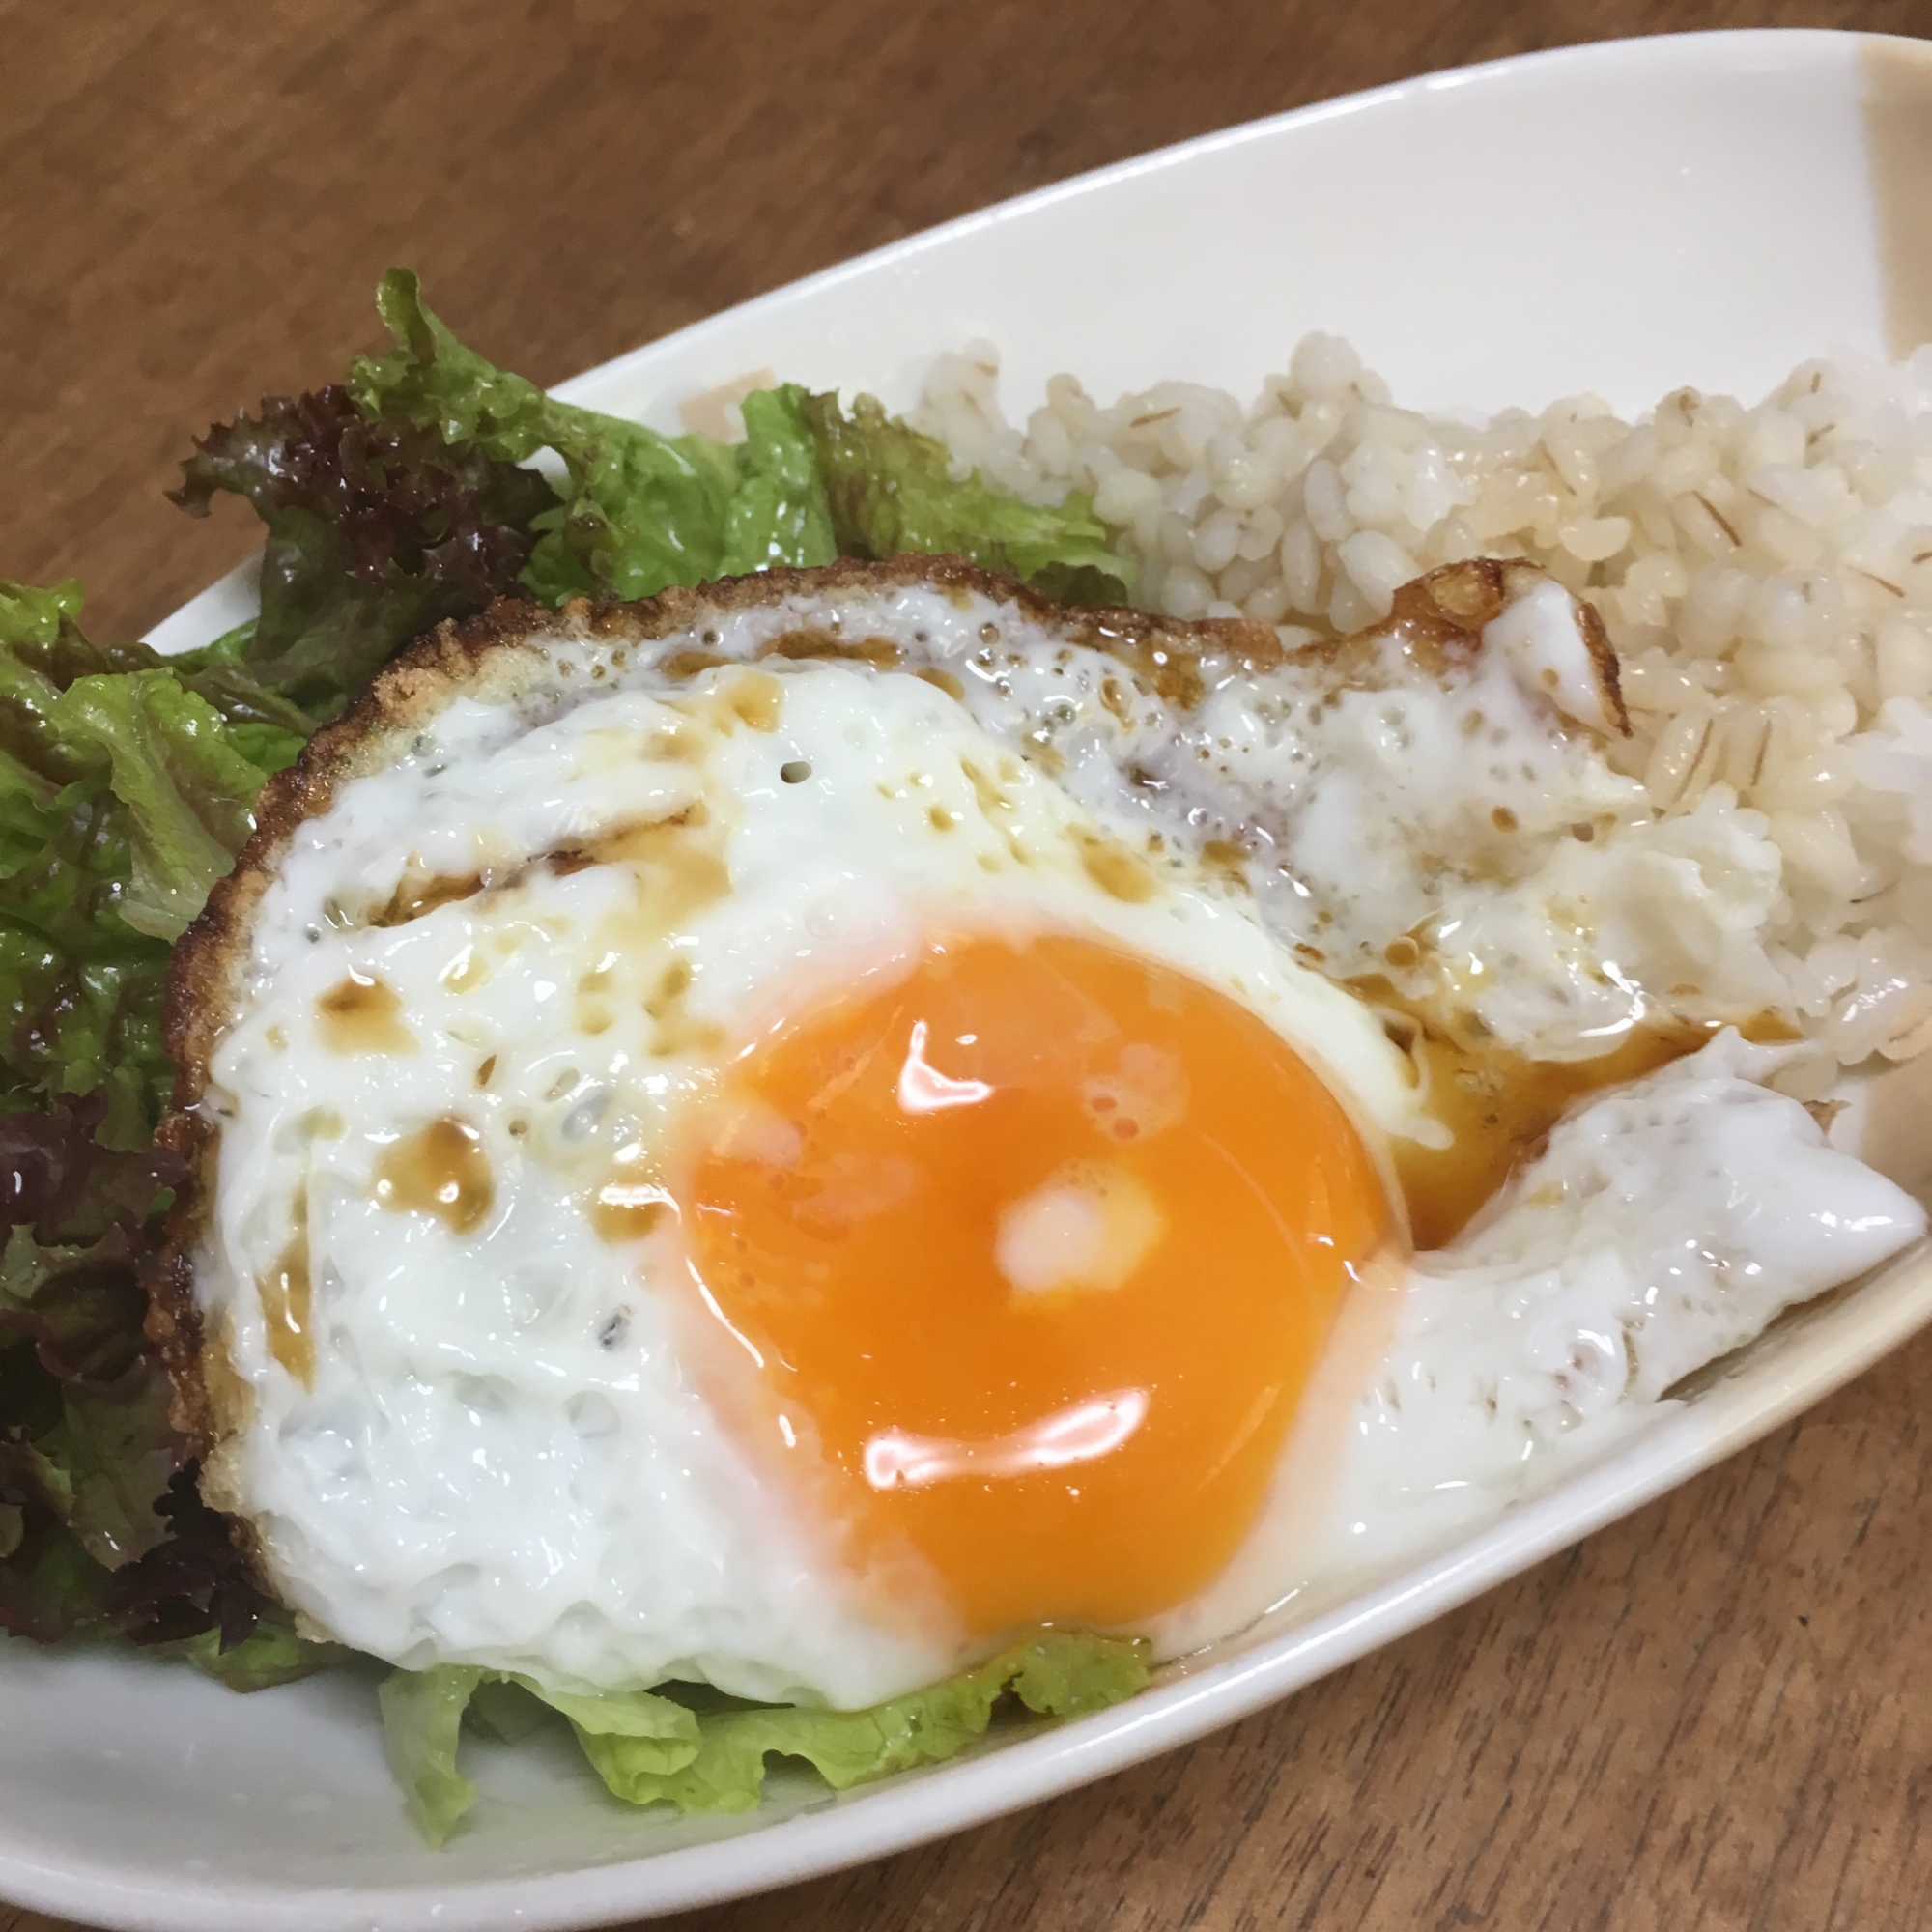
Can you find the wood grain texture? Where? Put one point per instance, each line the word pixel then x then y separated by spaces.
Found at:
pixel 1714 1715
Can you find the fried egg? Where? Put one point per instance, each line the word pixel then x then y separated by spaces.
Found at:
pixel 758 1138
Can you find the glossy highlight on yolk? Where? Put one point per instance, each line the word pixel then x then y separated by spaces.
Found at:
pixel 1034 1248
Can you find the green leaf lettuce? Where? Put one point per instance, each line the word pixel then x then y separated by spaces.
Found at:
pixel 640 511
pixel 125 791
pixel 176 764
pixel 127 788
pixel 893 490
pixel 703 1752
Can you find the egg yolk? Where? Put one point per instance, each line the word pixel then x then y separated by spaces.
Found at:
pixel 1034 1249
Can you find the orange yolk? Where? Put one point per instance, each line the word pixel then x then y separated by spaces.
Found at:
pixel 1036 1247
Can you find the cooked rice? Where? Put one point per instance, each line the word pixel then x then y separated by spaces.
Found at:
pixel 1766 575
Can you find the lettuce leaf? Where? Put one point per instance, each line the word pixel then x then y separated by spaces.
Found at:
pixel 196 1584
pixel 49 1586
pixel 175 763
pixel 127 788
pixel 124 792
pixel 37 616
pixel 433 382
pixel 43 650
pixel 669 1746
pixel 85 1441
pixel 1054 1673
pixel 270 1654
pixel 107 1531
pixel 119 1452
pixel 422 1717
pixel 640 510
pixel 893 490
pixel 92 1475
pixel 643 511
pixel 377 528
pixel 780 512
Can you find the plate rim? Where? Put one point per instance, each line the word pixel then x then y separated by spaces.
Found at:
pixel 1799 43
pixel 899 1814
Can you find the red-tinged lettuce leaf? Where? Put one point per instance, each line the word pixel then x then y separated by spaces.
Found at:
pixel 127 786
pixel 891 489
pixel 102 1468
pixel 638 510
pixel 270 1654
pixel 74 1025
pixel 377 529
pixel 193 1582
pixel 79 1219
pixel 82 1308
pixel 65 873
pixel 112 1533
pixel 80 990
pixel 84 1433
pixel 403 496
pixel 119 1453
pixel 37 1479
pixel 60 1183
pixel 189 1589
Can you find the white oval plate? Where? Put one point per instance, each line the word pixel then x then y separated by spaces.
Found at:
pixel 1624 219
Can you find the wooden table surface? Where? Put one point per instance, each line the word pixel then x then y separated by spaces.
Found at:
pixel 1713 1715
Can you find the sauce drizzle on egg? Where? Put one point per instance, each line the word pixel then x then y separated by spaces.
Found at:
pixel 361 1014
pixel 1499 1103
pixel 286 1300
pixel 440 1169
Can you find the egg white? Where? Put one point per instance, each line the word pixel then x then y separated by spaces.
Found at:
pixel 502 1458
pixel 1666 1223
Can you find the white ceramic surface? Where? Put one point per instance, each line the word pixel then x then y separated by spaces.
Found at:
pixel 1620 218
